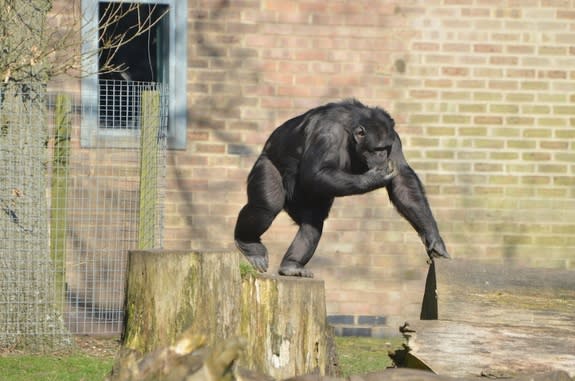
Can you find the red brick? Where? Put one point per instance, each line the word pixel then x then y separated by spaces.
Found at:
pixel 455 71
pixel 520 73
pixel 423 94
pixel 488 120
pixel 508 13
pixel 553 50
pixel 345 80
pixel 280 6
pixel 562 14
pixel 487 48
pixel 310 80
pixel 210 148
pixel 503 60
pixel 283 78
pixel 520 49
pixel 442 83
pixel 555 74
pixel 471 84
pixel 475 12
pixel 293 91
pixel 536 156
pixel 456 47
pixel 273 102
pixel 293 67
pixel 458 2
pixel 425 46
pixel 311 55
pixel 503 85
pixel 506 37
pixel 198 135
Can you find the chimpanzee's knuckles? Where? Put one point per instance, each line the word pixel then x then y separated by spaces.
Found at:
pixel 440 252
pixel 255 253
pixel 377 176
pixel 436 248
pixel 292 271
pixel 259 263
pixel 376 162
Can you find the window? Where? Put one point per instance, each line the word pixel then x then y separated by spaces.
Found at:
pixel 111 97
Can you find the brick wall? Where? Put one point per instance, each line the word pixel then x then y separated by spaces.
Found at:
pixel 483 93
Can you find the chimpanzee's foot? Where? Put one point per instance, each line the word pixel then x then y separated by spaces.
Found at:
pixel 255 253
pixel 293 270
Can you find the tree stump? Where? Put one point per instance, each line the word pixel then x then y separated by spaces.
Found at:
pixel 169 291
pixel 284 322
pixel 283 319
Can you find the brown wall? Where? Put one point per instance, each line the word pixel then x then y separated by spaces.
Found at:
pixel 483 92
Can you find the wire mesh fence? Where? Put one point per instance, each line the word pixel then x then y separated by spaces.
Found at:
pixel 70 212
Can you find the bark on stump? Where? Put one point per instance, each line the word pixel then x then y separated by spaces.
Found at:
pixel 283 319
pixel 284 322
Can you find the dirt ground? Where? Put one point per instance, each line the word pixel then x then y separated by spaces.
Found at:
pixel 104 347
pixel 98 346
pixel 499 321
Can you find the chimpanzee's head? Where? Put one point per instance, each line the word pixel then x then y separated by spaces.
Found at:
pixel 374 135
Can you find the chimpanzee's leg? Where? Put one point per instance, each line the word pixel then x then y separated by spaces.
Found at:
pixel 266 197
pixel 407 195
pixel 310 220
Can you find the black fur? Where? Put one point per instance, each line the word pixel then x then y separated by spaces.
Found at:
pixel 334 150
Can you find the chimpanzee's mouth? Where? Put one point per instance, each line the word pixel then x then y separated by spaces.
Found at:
pixel 386 150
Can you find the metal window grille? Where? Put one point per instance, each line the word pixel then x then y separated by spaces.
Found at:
pixel 119 104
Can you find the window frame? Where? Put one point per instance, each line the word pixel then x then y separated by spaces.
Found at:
pixel 90 133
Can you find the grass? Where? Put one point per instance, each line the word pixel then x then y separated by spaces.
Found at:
pixel 247 270
pixel 72 367
pixel 357 355
pixel 360 355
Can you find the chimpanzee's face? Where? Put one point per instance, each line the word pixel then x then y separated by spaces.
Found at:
pixel 374 138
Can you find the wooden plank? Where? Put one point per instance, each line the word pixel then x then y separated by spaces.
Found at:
pixel 499 321
pixel 399 374
pixel 429 307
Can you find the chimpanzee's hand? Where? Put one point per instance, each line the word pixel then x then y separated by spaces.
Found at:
pixel 435 246
pixel 378 159
pixel 391 170
pixel 381 176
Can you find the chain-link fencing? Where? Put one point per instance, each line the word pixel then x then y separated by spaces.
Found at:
pixel 82 181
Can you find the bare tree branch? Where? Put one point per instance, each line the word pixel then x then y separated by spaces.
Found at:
pixel 56 45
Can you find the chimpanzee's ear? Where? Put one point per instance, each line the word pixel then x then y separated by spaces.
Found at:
pixel 359 133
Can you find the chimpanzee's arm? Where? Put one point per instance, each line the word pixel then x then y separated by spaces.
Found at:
pixel 324 168
pixel 408 196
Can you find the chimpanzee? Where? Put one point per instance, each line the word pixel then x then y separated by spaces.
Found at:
pixel 334 150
